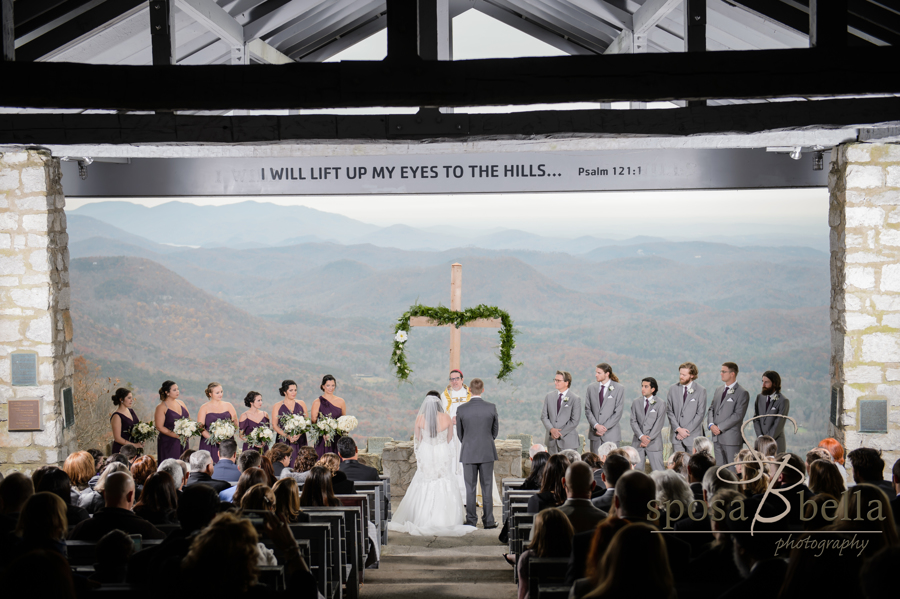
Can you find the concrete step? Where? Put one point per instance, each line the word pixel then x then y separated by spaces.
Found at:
pixel 431 590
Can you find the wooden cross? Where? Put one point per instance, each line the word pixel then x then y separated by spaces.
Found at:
pixel 456 306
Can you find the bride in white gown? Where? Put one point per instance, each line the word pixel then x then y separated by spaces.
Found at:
pixel 432 505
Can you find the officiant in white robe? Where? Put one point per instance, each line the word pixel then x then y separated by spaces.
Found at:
pixel 456 394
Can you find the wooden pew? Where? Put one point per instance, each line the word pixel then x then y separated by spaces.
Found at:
pixel 339 558
pixel 361 503
pixel 320 554
pixel 353 557
pixel 545 573
pixel 382 489
pixel 84 553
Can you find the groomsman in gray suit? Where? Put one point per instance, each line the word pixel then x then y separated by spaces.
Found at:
pixel 726 415
pixel 477 425
pixel 771 401
pixel 685 408
pixel 604 404
pixel 647 418
pixel 560 415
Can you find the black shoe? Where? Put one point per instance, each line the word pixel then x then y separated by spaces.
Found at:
pixel 509 560
pixel 486 527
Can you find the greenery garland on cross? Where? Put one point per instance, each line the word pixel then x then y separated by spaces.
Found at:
pixel 441 316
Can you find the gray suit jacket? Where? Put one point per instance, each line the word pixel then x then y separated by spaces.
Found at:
pixel 566 420
pixel 477 426
pixel 650 425
pixel 608 415
pixel 728 414
pixel 686 413
pixel 774 427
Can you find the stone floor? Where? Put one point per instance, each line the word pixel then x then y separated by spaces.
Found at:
pixel 469 566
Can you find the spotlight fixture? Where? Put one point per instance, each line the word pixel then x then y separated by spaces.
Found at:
pixel 796 153
pixel 83 163
pixel 819 161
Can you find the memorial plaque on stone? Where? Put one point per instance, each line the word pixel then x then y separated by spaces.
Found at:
pixel 68 407
pixel 873 416
pixel 24 369
pixel 25 414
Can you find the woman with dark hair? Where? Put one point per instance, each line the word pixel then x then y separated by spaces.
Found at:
pixel 289 405
pixel 330 405
pixel 824 477
pixel 317 490
pixel 141 469
pixel 158 503
pixel 551 537
pixel 170 409
pixel 533 482
pixel 305 461
pixel 280 456
pixel 635 556
pixel 56 481
pixel 265 465
pixel 252 419
pixel 214 409
pixel 287 501
pixel 768 448
pixel 123 399
pixel 42 524
pixel 249 478
pixel 553 493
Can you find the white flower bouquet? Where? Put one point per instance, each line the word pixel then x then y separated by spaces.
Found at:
pixel 347 423
pixel 260 436
pixel 186 428
pixel 221 430
pixel 326 427
pixel 142 431
pixel 293 424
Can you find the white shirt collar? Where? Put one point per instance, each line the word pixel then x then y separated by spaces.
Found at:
pixel 564 393
pixel 731 386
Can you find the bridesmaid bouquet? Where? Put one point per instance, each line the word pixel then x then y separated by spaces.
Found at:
pixel 186 428
pixel 260 436
pixel 327 427
pixel 347 423
pixel 220 430
pixel 142 431
pixel 293 424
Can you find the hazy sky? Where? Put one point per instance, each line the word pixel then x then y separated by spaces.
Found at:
pixel 683 214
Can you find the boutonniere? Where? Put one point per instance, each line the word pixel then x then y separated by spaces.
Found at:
pixel 611 388
pixel 691 391
pixel 774 397
pixel 730 391
pixel 566 400
pixel 652 402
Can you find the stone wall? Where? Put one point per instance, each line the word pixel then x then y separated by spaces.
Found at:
pixel 34 303
pixel 399 462
pixel 864 217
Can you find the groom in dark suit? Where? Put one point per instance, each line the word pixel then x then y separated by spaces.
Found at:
pixel 477 426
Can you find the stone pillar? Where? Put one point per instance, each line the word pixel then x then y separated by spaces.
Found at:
pixel 864 216
pixel 34 304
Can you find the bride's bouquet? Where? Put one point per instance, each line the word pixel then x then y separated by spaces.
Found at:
pixel 186 428
pixel 260 436
pixel 346 423
pixel 294 424
pixel 142 431
pixel 221 430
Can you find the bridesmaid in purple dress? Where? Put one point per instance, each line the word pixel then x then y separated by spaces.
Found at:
pixel 253 418
pixel 121 426
pixel 331 405
pixel 212 410
pixel 289 405
pixel 169 410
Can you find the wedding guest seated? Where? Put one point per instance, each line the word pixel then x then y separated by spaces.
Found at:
pixel 130 453
pixel 287 501
pixel 536 449
pixel 895 500
pixel 880 573
pixel 868 500
pixel 754 555
pixel 636 561
pixel 746 482
pixel 99 458
pixel 116 457
pixel 118 498
pixel 713 566
pixel 696 531
pixel 579 483
pixel 794 472
pixel 671 487
pixel 824 477
pixel 48 568
pixel 225 468
pixel 186 455
pixel 110 469
pixel 532 483
pixel 265 464
pixel 834 447
pixel 280 456
pixel 551 536
pixel 613 468
pixel 552 493
pixel 350 464
pixel 114 549
pixel 698 465
pixel 158 502
pixel 868 467
pixel 742 457
pixel 339 481
pixel 176 471
pixel 605 449
pixel 813 516
pixel 80 468
pixel 141 469
pixel 249 478
pixel 573 455
pixel 260 498
pixel 820 453
pixel 56 481
pixel 15 490
pixel 249 459
pixel 768 448
pixel 42 526
pixel 201 472
pixel 228 547
pixel 38 475
pixel 306 459
pixel 632 454
pixel 596 464
pixel 317 490
pixel 701 445
pixel 678 462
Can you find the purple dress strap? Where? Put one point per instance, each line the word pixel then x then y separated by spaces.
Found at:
pixel 171 447
pixel 210 418
pixel 248 426
pixel 295 447
pixel 127 423
pixel 326 408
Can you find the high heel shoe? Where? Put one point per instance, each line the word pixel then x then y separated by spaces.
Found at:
pixel 509 560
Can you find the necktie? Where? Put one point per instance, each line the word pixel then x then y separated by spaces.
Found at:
pixel 722 399
pixel 684 396
pixel 646 405
pixel 768 398
pixel 558 403
pixel 602 389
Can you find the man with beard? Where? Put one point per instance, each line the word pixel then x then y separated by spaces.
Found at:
pixel 685 407
pixel 769 403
